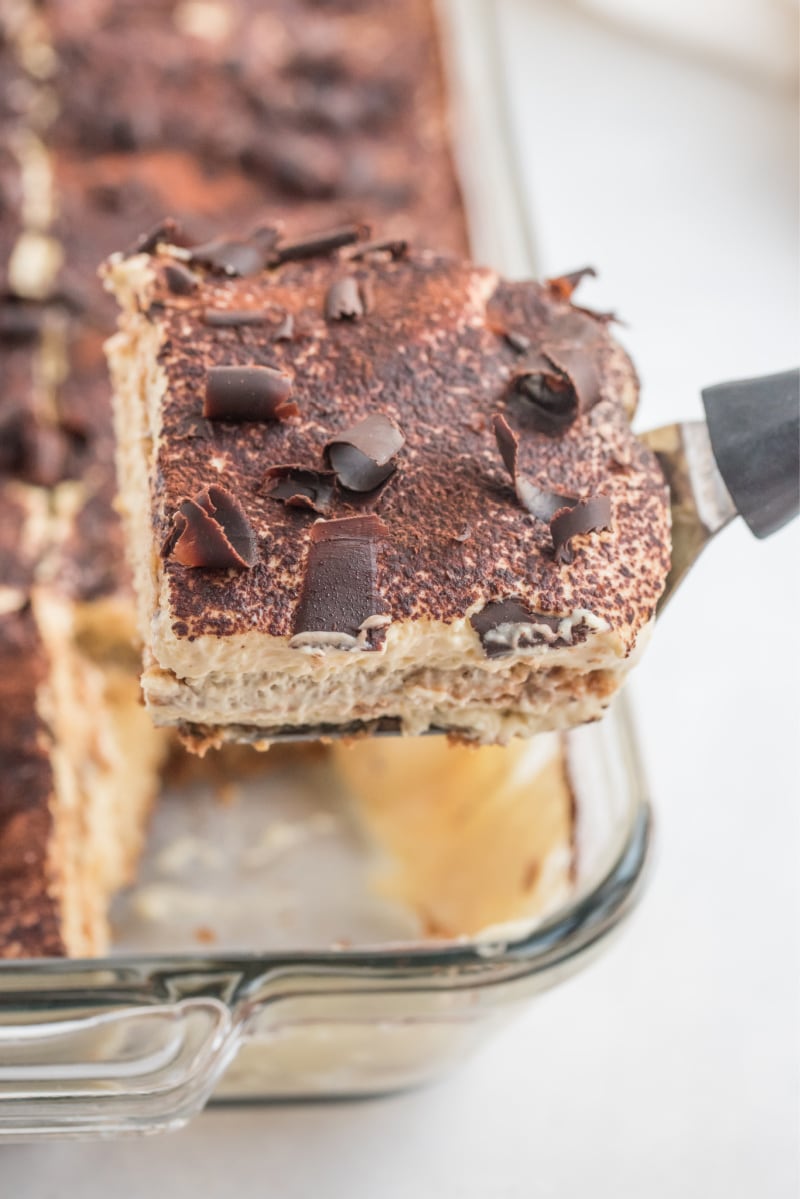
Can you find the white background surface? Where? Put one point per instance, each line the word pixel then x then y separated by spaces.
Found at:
pixel 671 1066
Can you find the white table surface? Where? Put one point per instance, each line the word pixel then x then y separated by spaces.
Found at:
pixel 670 1066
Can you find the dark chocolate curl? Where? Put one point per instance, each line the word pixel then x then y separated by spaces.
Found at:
pixel 585 517
pixel 562 286
pixel 247 393
pixel 395 247
pixel 362 456
pixel 580 368
pixel 167 231
pixel 549 395
pixel 285 330
pixel 507 443
pixel 543 504
pixel 506 625
pixel 343 301
pixel 301 487
pixel 211 531
pixel 237 256
pixel 339 604
pixel 230 318
pixel 321 243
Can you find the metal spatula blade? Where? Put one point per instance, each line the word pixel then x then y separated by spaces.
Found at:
pixel 701 503
pixel 741 461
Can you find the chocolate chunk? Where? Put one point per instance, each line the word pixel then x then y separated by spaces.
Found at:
pixel 229 318
pixel 339 604
pixel 505 626
pixel 362 456
pixel 301 487
pixel 585 517
pixel 248 393
pixel 168 231
pixel 343 301
pixel 322 243
pixel 396 247
pixel 179 280
pixel 542 504
pixel 211 531
pixel 237 256
pixel 562 286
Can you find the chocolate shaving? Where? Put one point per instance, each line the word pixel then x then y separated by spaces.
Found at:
pixel 506 625
pixel 362 456
pixel 179 279
pixel 584 517
pixel 237 256
pixel 168 231
pixel 580 369
pixel 322 243
pixel 302 487
pixel 562 286
pixel 564 385
pixel 551 402
pixel 248 393
pixel 285 330
pixel 396 247
pixel 343 301
pixel 339 603
pixel 543 504
pixel 229 318
pixel 211 531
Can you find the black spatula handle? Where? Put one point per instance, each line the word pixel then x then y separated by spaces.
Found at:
pixel 754 426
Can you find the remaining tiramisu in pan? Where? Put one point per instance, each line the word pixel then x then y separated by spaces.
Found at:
pixel 72 809
pixel 367 487
pixel 111 116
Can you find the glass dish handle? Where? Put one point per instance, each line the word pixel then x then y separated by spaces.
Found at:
pixel 132 1069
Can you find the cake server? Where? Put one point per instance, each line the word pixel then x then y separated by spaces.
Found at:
pixel 742 460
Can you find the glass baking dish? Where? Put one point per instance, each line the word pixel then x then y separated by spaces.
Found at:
pixel 139 1041
pixel 341 999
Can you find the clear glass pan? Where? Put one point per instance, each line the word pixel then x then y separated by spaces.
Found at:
pixel 141 1040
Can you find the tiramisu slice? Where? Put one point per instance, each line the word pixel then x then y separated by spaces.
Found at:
pixel 72 803
pixel 365 486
